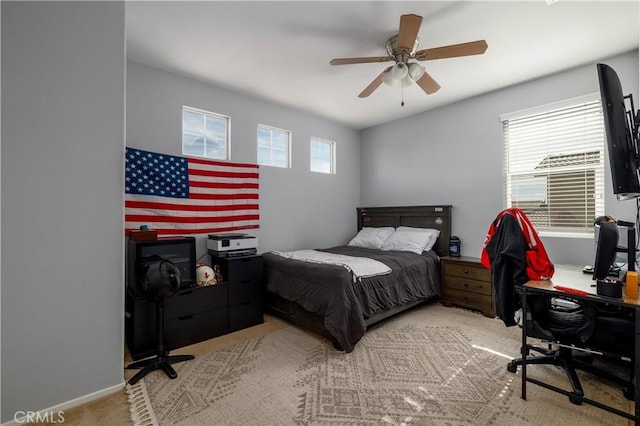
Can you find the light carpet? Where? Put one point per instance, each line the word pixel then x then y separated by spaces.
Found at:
pixel 429 366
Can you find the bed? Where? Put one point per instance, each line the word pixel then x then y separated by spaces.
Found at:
pixel 331 300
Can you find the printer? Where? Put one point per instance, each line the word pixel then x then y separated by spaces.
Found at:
pixel 232 245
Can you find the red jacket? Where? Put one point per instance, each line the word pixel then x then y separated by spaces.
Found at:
pixel 514 253
pixel 539 266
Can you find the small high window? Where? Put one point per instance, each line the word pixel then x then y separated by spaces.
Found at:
pixel 205 134
pixel 323 156
pixel 273 146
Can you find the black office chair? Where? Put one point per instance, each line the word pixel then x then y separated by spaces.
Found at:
pixel 577 333
pixel 567 324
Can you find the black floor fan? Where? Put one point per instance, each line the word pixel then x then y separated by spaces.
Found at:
pixel 162 280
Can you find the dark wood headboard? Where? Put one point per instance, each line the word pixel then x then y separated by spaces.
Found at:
pixel 436 217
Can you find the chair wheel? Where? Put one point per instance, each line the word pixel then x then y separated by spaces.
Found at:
pixel 512 368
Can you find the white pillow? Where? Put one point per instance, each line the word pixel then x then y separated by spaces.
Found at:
pixel 371 237
pixel 434 233
pixel 415 240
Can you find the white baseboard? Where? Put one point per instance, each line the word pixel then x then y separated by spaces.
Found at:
pixel 52 412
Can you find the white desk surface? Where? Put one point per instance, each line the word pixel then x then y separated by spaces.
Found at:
pixel 573 277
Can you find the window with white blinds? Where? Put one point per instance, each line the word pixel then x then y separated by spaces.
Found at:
pixel 554 165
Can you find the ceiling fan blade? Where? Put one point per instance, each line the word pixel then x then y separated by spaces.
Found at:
pixel 348 61
pixel 374 84
pixel 428 84
pixel 409 27
pixel 477 47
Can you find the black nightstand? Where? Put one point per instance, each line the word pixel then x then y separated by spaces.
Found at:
pixel 243 275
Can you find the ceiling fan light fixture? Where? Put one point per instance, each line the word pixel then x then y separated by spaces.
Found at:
pixel 402 48
pixel 396 75
pixel 416 71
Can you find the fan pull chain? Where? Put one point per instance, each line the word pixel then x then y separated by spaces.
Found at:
pixel 402 95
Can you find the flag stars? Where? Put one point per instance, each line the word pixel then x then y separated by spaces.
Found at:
pixel 155 174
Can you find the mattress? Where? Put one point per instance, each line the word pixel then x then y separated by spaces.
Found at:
pixel 344 303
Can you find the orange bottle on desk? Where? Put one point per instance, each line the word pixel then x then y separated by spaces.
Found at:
pixel 631 286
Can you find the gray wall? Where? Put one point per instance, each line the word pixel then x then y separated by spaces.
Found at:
pixel 298 208
pixel 63 77
pixel 453 155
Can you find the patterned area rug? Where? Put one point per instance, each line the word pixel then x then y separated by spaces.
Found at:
pixel 430 366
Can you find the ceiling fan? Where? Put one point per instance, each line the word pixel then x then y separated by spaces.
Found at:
pixel 402 48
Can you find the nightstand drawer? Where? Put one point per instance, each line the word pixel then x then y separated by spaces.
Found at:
pixel 470 300
pixel 474 272
pixel 465 284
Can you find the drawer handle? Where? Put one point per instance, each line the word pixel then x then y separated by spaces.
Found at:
pixel 466 271
pixel 465 297
pixel 186 317
pixel 466 284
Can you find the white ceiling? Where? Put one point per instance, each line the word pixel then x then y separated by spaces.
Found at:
pixel 280 51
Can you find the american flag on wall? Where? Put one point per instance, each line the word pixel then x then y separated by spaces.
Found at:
pixel 178 195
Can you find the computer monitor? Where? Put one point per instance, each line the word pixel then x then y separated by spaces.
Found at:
pixel 606 249
pixel 607 239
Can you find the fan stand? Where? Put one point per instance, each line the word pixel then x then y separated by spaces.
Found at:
pixel 162 360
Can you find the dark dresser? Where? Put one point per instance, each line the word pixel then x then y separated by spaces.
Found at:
pixel 198 313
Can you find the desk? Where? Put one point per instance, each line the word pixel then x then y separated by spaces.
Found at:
pixel 573 277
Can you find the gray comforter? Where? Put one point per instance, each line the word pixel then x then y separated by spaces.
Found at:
pixel 331 292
